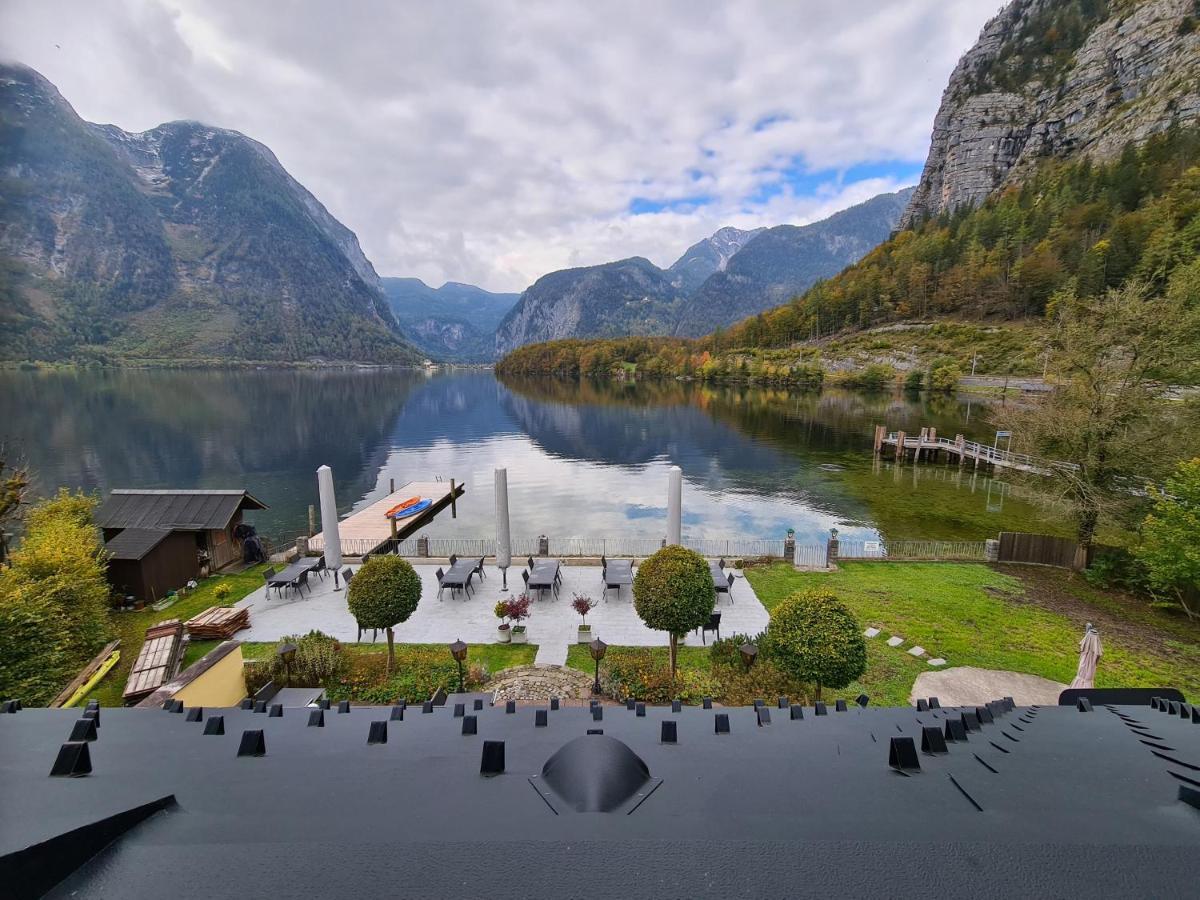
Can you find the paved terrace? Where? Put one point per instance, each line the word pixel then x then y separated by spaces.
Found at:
pixel 553 625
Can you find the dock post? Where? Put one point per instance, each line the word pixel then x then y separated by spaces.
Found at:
pixel 900 436
pixel 453 501
pixel 960 443
pixel 920 444
pixel 933 449
pixel 879 434
pixel 391 485
pixel 312 520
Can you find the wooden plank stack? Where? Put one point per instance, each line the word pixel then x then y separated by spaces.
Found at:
pixel 84 674
pixel 157 661
pixel 218 623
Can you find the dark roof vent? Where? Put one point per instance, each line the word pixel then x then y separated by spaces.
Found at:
pixel 215 725
pixel 84 730
pixel 596 773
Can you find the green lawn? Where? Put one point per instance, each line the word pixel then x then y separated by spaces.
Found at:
pixel 1021 619
pixel 131 627
pixel 977 615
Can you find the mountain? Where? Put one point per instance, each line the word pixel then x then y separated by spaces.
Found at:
pixel 1058 78
pixel 786 260
pixel 710 255
pixel 717 281
pixel 182 243
pixel 454 322
pixel 630 296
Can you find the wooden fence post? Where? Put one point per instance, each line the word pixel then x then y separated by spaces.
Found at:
pixel 900 446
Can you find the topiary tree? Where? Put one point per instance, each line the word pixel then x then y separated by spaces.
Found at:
pixel 384 593
pixel 673 592
pixel 813 637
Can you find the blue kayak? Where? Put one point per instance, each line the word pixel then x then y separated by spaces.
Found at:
pixel 412 510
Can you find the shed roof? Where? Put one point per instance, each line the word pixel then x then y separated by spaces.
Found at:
pixel 135 543
pixel 192 510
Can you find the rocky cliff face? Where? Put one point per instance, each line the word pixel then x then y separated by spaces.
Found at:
pixel 710 255
pixel 1057 78
pixel 183 242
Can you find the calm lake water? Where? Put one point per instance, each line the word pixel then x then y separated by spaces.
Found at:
pixel 584 460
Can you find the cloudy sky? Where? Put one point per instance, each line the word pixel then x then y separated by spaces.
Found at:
pixel 492 142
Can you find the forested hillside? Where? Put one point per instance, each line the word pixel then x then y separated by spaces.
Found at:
pixel 1090 225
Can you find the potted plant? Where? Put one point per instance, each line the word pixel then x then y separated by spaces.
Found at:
pixel 504 632
pixel 517 610
pixel 584 605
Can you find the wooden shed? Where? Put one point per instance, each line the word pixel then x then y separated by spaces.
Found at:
pixel 208 517
pixel 146 563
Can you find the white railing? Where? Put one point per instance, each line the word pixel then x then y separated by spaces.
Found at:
pixel 523 546
pixel 908 551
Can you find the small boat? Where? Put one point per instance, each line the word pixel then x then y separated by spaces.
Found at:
pixel 404 513
pixel 400 507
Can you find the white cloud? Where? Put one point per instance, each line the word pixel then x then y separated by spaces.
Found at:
pixel 491 142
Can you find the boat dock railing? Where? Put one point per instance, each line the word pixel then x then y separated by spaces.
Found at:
pixel 541 545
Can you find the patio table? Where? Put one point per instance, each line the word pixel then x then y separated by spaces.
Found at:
pixel 459 576
pixel 720 579
pixel 544 575
pixel 287 577
pixel 617 573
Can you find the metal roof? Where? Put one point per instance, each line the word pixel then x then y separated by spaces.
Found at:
pixel 1039 802
pixel 193 510
pixel 135 543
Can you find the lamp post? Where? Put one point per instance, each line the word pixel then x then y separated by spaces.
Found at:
pixel 287 653
pixel 749 654
pixel 597 649
pixel 459 651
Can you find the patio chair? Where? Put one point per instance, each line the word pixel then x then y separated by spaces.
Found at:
pixel 478 570
pixel 441 573
pixel 300 582
pixel 714 624
pixel 721 563
pixel 453 558
pixel 529 562
pixel 358 640
pixel 267 576
pixel 320 568
pixel 727 588
pixel 347 575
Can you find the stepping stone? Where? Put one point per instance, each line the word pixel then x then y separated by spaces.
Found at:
pixel 895 641
pixel 871 632
pixel 916 651
pixel 937 661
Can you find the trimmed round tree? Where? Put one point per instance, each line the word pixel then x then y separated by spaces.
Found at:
pixel 814 638
pixel 673 592
pixel 384 593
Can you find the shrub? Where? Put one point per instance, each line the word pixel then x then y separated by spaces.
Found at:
pixel 221 592
pixel 416 676
pixel 726 651
pixel 644 674
pixel 583 605
pixel 944 375
pixel 384 593
pixel 813 637
pixel 673 592
pixel 53 600
pixel 318 659
pixel 914 380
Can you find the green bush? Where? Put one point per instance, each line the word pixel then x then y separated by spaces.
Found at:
pixel 944 375
pixel 673 592
pixel 726 652
pixel 222 592
pixel 318 659
pixel 813 637
pixel 384 593
pixel 644 674
pixel 53 600
pixel 416 675
pixel 914 380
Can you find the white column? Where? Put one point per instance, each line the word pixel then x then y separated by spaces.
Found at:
pixel 503 535
pixel 675 506
pixel 329 520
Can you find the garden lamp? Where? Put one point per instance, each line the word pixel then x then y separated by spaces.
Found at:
pixel 459 651
pixel 597 648
pixel 287 652
pixel 749 654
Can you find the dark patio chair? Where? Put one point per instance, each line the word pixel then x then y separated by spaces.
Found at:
pixel 453 558
pixel 320 568
pixel 267 576
pixel 479 570
pixel 529 562
pixel 358 640
pixel 347 574
pixel 727 588
pixel 721 563
pixel 441 573
pixel 300 582
pixel 714 624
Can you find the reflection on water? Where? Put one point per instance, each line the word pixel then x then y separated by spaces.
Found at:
pixel 584 460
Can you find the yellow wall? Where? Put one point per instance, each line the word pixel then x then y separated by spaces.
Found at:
pixel 222 685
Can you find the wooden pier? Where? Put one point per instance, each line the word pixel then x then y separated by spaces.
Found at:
pixel 927 445
pixel 369 530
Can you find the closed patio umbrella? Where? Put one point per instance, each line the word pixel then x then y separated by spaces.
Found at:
pixel 503 537
pixel 329 523
pixel 1090 652
pixel 675 506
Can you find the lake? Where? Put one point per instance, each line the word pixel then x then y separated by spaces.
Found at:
pixel 584 460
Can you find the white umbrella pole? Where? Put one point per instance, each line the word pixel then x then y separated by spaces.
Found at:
pixel 329 524
pixel 675 506
pixel 503 536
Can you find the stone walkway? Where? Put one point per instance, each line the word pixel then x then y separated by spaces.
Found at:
pixel 537 684
pixel 553 626
pixel 969 686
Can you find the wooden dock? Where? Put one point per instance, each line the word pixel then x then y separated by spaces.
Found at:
pixel 369 530
pixel 927 445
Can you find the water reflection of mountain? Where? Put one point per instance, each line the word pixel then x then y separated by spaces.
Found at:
pixel 264 430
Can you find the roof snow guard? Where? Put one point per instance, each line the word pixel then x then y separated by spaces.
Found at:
pixel 870 800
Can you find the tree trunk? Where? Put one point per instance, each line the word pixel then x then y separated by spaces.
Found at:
pixel 391 650
pixel 673 655
pixel 818 695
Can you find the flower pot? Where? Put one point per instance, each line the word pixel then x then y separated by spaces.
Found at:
pixel 519 635
pixel 503 634
pixel 585 634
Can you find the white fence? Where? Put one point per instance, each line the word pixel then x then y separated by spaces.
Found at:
pixel 933 551
pixel 564 547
